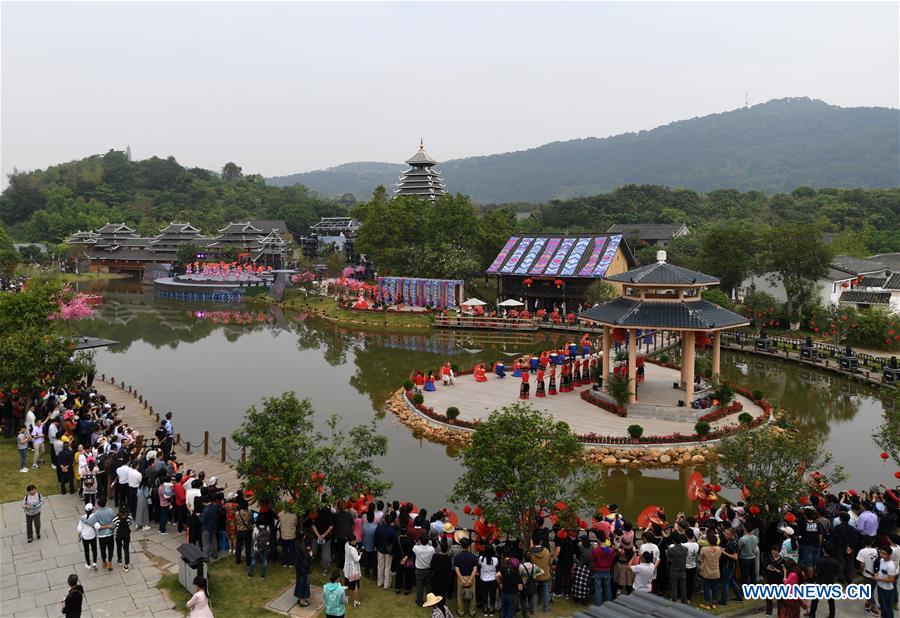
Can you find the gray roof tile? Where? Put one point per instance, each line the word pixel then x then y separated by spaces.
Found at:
pixel 866 298
pixel 699 315
pixel 663 273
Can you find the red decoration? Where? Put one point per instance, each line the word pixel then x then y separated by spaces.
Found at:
pixel 717 487
pixel 499 494
pixel 804 500
pixel 528 282
pixel 477 511
pixel 897 475
pixel 884 455
pixel 702 340
pixel 558 283
pixel 619 334
pixel 467 509
pixel 754 510
pixel 790 518
pixel 583 524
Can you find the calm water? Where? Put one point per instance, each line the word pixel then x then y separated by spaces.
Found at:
pixel 208 364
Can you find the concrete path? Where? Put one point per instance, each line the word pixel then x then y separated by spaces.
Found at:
pixel 33 575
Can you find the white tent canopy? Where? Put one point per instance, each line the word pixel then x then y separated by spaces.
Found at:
pixel 472 302
pixel 511 302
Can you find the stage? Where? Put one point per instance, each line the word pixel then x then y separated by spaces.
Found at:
pixel 656 408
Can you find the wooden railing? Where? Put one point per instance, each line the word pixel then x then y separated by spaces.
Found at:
pixel 482 322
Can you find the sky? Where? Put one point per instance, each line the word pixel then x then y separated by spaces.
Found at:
pixel 286 87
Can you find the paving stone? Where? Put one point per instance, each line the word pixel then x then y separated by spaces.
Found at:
pixel 35 566
pixel 22 603
pixel 9 592
pixel 168 613
pixel 32 582
pixel 21 546
pixel 113 607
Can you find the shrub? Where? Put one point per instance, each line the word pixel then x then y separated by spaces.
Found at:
pixel 745 418
pixel 455 368
pixel 702 428
pixel 407 385
pixel 723 393
pixel 635 431
pixel 418 399
pixel 663 358
pixel 617 386
pixel 757 394
pixel 452 412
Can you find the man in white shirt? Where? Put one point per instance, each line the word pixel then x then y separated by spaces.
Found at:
pixel 690 565
pixel 866 557
pixel 886 577
pixel 134 481
pixel 424 552
pixel 650 545
pixel 122 484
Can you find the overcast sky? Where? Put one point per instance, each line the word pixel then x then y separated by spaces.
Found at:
pixel 287 87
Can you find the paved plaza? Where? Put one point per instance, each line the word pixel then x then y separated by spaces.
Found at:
pixel 655 411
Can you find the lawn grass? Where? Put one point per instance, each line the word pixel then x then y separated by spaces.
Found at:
pixel 234 595
pixel 13 482
pixel 42 274
pixel 328 308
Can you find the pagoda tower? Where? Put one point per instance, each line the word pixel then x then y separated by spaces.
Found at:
pixel 421 179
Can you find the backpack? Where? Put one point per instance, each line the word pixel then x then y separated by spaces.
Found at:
pixel 530 583
pixel 262 539
pixel 160 433
pixel 89 483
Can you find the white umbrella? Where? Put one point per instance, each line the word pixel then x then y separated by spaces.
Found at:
pixel 511 302
pixel 473 302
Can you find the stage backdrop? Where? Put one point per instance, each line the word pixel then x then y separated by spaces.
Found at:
pixel 432 293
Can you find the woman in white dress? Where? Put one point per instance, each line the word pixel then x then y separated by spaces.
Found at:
pixel 199 603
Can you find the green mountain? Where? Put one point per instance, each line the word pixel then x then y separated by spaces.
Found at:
pixel 772 147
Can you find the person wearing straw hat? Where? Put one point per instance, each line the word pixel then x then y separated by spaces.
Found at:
pixel 438 608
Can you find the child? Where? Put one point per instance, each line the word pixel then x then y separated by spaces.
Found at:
pixel 334 597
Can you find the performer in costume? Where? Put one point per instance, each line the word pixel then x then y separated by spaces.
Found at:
pixel 565 383
pixel 517 369
pixel 640 369
pixel 539 390
pixel 552 358
pixel 429 382
pixel 418 379
pixel 585 345
pixel 545 358
pixel 479 373
pixel 533 364
pixel 586 371
pixel 576 371
pixel 573 350
pixel 523 392
pixel 551 388
pixel 500 369
pixel 447 374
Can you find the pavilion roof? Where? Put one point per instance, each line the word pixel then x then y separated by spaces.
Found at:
pixel 689 315
pixel 421 158
pixel 584 256
pixel 663 273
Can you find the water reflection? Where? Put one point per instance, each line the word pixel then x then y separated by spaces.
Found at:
pixel 210 365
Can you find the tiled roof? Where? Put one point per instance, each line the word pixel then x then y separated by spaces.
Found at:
pixel 662 273
pixel 856 266
pixel 421 158
pixel 893 282
pixel 865 298
pixel 873 282
pixel 645 231
pixel 556 256
pixel 699 315
pixel 641 604
pixel 268 225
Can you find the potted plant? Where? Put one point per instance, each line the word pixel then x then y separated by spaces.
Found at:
pixel 702 428
pixel 745 419
pixel 635 431
pixel 452 413
pixel 617 386
pixel 418 399
pixel 407 385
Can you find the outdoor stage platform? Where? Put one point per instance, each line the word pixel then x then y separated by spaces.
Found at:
pixel 656 409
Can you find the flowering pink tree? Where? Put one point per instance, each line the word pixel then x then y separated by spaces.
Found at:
pixel 72 307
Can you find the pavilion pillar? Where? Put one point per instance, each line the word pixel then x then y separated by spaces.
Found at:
pixel 604 362
pixel 716 355
pixel 632 365
pixel 683 361
pixel 687 343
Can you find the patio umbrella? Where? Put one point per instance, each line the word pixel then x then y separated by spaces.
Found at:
pixel 511 302
pixel 474 302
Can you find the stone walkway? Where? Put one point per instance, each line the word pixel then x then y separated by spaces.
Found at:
pixel 33 575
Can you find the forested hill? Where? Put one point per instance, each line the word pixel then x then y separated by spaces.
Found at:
pixel 49 205
pixel 772 147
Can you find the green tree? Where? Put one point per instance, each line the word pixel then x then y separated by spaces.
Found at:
pixel 835 322
pixel 518 461
pixel 729 253
pixel 795 256
pixel 232 173
pixel 771 462
pixel 600 291
pixel 288 458
pixel 187 254
pixel 887 435
pixel 759 306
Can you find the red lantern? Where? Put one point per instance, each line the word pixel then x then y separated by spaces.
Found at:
pixel 884 455
pixel 790 518
pixel 897 475
pixel 528 282
pixel 619 334
pixel 804 500
pixel 477 511
pixel 754 510
pixel 583 524
pixel 702 340
pixel 499 494
pixel 717 488
pixel 558 283
pixel 467 509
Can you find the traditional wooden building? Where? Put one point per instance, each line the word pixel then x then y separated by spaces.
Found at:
pixel 555 270
pixel 421 179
